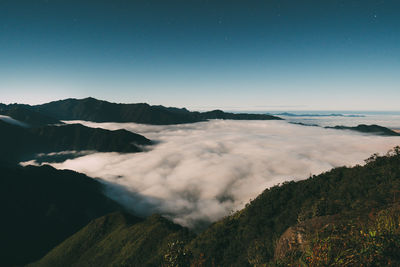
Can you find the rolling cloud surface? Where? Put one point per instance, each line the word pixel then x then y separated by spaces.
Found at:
pixel 198 173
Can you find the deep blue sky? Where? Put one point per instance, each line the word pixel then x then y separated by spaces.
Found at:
pixel 247 54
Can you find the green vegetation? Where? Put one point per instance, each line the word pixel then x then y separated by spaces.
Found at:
pixel 119 240
pixel 365 240
pixel 249 237
pixel 373 241
pixel 344 217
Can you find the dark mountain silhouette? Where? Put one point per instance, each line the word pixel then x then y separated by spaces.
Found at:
pixel 371 129
pixel 41 207
pixel 91 109
pixel 219 114
pixel 79 137
pixel 362 128
pixel 27 115
pixel 18 143
pixel 305 124
pixel 317 115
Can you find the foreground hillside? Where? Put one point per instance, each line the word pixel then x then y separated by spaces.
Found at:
pixel 296 223
pixel 42 206
pixel 249 236
pixel 118 240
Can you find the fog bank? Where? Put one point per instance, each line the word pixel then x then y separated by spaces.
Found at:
pixel 200 172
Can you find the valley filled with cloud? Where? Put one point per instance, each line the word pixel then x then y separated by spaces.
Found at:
pixel 198 173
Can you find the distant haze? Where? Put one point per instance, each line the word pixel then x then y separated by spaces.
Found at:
pixel 388 119
pixel 200 172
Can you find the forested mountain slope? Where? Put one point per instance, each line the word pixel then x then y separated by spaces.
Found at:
pixel 249 237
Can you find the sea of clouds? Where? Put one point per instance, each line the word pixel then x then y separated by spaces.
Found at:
pixel 198 173
pixel 391 121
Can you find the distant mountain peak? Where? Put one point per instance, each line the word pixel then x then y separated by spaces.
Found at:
pixel 92 109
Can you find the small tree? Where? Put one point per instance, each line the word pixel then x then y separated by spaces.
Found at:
pixel 177 255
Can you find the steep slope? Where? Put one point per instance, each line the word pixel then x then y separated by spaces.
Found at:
pixel 118 240
pixel 26 114
pixel 20 143
pixel 371 239
pixel 42 206
pixel 249 236
pixel 91 109
pixel 79 137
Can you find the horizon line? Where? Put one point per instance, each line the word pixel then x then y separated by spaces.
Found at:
pixel 256 108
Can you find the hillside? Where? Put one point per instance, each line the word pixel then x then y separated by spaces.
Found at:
pixel 249 237
pixel 118 240
pixel 371 129
pixel 361 128
pixel 27 115
pixel 91 109
pixel 79 137
pixel 42 206
pixel 366 239
pixel 19 143
pixel 219 114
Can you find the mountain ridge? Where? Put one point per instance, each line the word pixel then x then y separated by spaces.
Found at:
pixel 21 144
pixel 103 111
pixel 372 129
pixel 25 114
pixel 95 110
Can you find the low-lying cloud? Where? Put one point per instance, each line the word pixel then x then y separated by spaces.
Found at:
pixel 13 121
pixel 391 121
pixel 200 172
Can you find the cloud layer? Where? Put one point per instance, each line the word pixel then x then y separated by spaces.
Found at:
pixel 13 121
pixel 391 121
pixel 198 173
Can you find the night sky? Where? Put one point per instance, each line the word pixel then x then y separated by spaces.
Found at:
pixel 234 55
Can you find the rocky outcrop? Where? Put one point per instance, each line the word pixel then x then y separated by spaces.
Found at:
pixel 296 238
